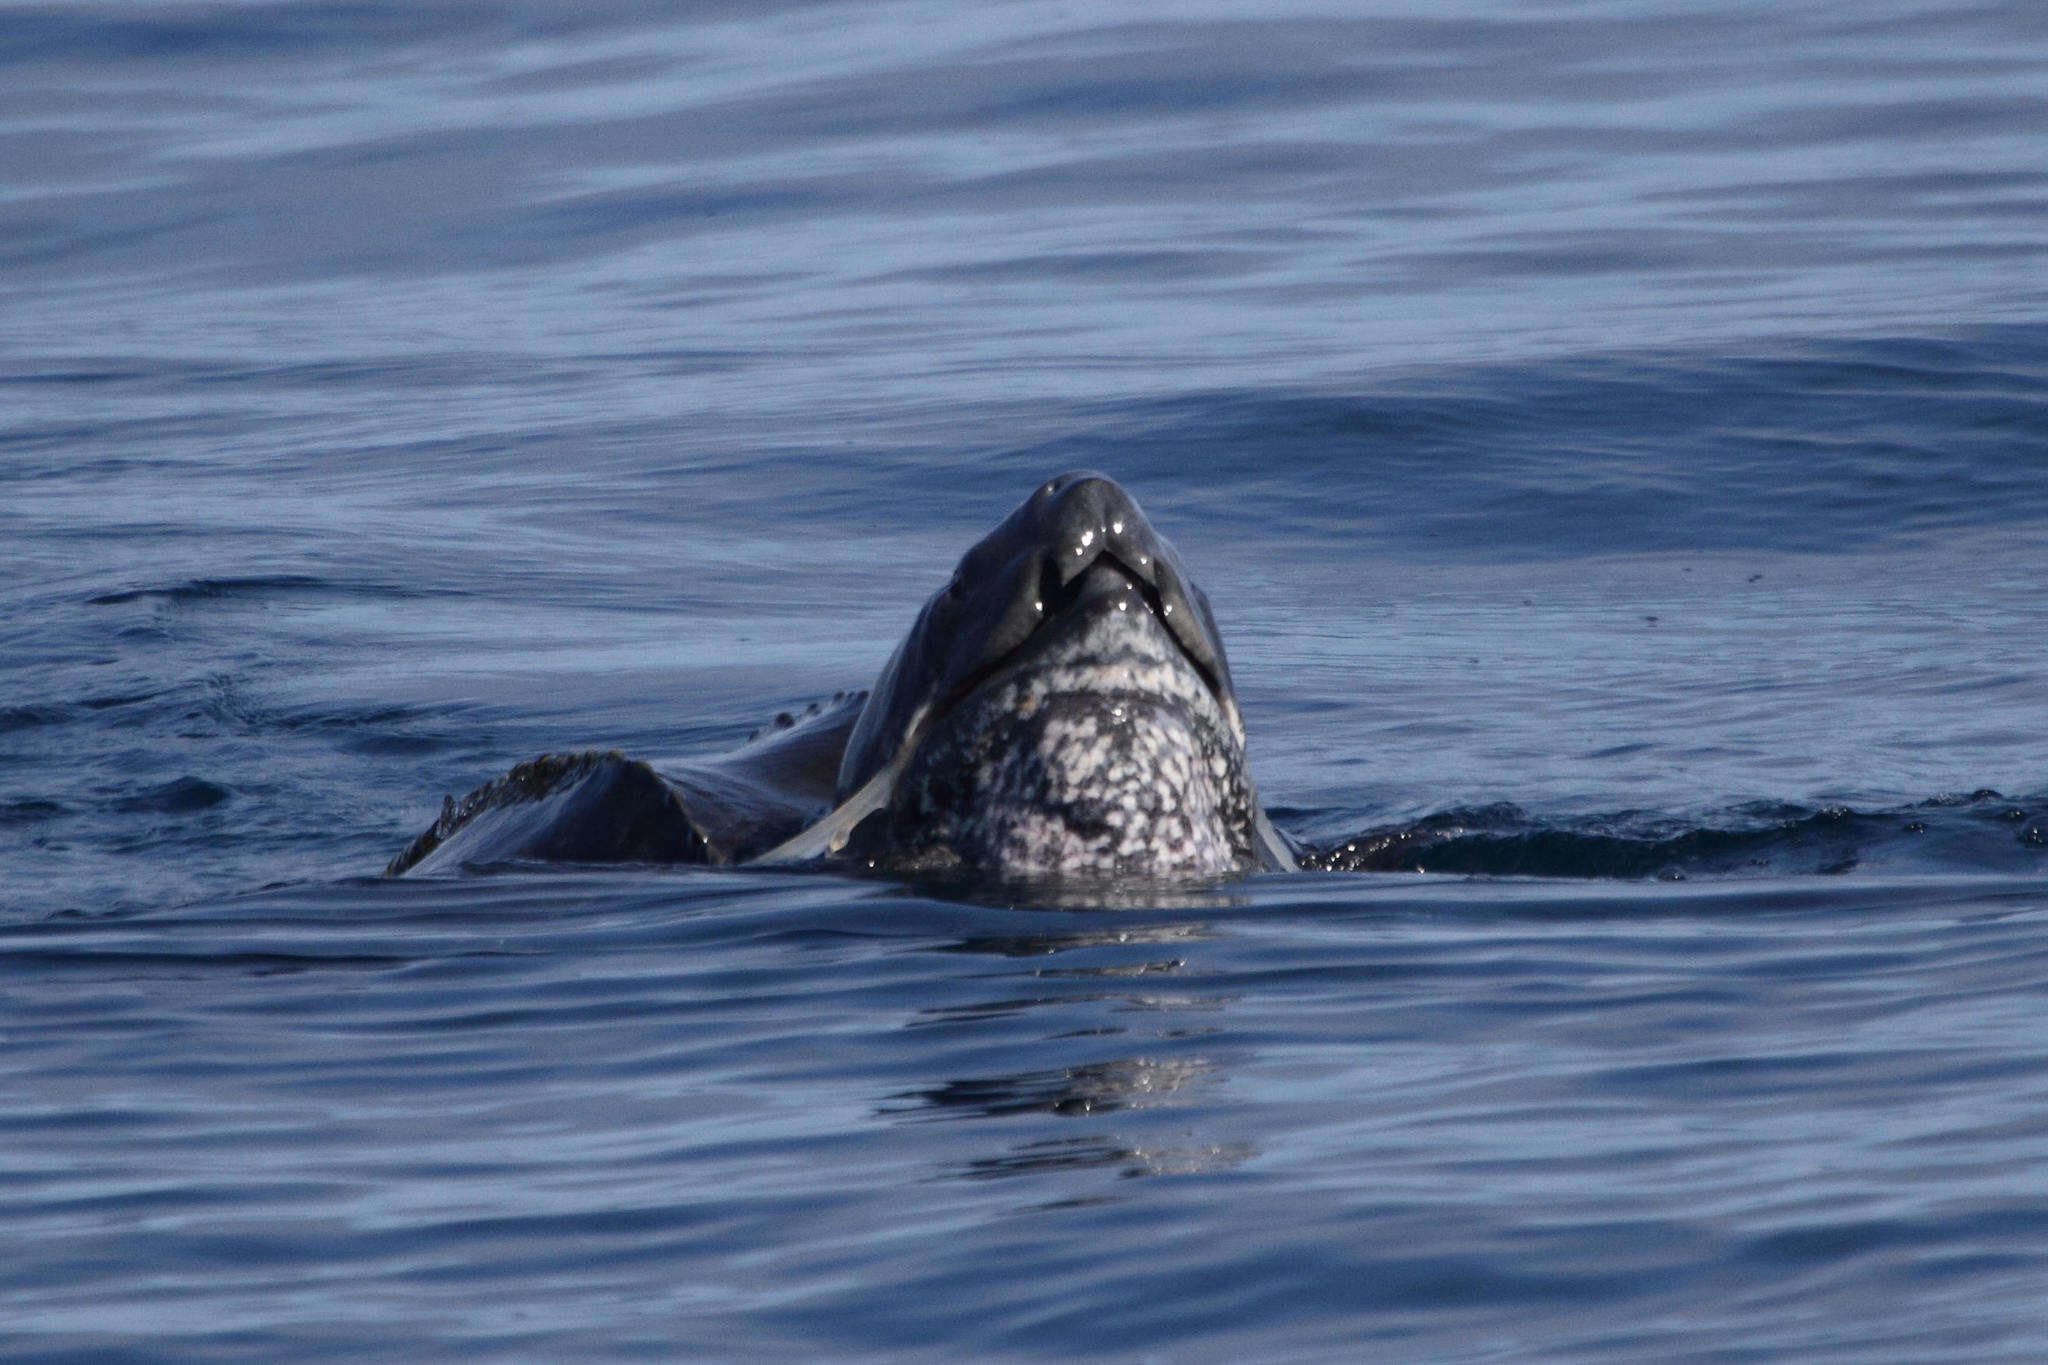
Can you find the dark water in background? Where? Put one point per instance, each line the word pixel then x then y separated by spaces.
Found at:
pixel 1612 435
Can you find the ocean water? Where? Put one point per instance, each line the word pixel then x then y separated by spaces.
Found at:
pixel 1613 433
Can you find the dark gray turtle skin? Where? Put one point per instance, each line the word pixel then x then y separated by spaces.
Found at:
pixel 1062 708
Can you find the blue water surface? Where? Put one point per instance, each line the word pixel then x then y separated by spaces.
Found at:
pixel 1613 433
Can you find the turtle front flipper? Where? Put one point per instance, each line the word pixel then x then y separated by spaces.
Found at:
pixel 588 807
pixel 603 807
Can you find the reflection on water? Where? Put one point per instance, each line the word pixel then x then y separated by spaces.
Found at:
pixel 1089 1152
pixel 980 1011
pixel 1081 893
pixel 1093 1088
pixel 1088 1090
pixel 1060 941
pixel 1074 1020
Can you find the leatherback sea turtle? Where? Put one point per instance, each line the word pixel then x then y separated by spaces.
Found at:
pixel 1062 708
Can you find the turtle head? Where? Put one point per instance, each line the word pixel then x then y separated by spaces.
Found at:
pixel 1063 706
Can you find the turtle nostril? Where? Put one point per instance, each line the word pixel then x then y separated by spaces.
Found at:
pixel 1104 573
pixel 1050 591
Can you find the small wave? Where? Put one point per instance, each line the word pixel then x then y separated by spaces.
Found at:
pixel 179 796
pixel 1821 447
pixel 28 812
pixel 1983 831
pixel 259 32
pixel 258 585
pixel 30 717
